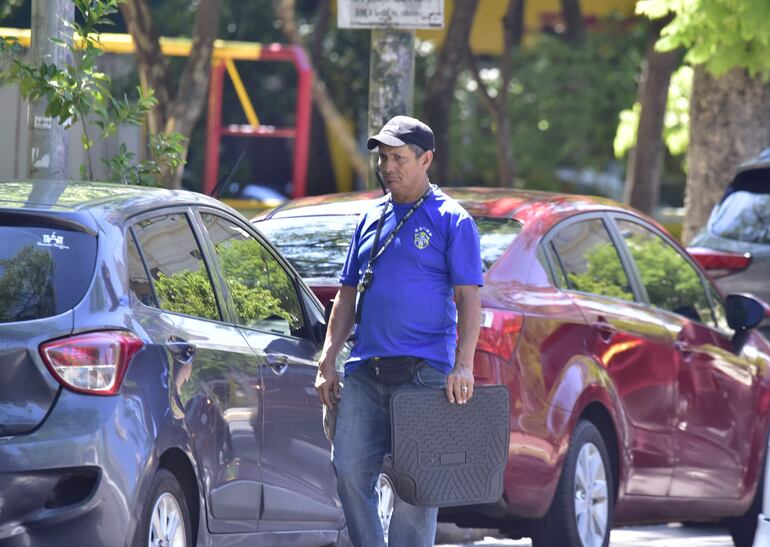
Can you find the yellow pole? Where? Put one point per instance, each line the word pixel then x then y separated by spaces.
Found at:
pixel 243 95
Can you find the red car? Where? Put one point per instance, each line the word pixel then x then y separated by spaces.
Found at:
pixel 638 393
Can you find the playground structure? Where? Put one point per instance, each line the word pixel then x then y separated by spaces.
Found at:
pixel 224 57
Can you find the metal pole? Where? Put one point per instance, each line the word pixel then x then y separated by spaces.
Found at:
pixel 391 81
pixel 48 139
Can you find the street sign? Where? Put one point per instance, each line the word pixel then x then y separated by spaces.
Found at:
pixel 407 14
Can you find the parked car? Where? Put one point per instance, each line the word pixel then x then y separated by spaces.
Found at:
pixel 734 246
pixel 157 362
pixel 638 392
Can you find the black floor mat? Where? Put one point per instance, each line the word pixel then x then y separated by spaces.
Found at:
pixel 447 454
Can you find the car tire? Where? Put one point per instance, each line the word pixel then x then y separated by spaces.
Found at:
pixel 580 514
pixel 166 501
pixel 743 528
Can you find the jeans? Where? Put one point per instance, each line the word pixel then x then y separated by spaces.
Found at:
pixel 361 441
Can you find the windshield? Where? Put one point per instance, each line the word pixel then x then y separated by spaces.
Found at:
pixel 43 271
pixel 743 216
pixel 317 246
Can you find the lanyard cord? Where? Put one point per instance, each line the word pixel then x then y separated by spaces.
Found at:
pixel 376 253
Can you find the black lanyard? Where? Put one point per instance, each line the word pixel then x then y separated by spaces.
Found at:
pixel 375 253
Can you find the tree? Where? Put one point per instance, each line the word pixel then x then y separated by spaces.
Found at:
pixel 441 86
pixel 181 112
pixel 512 33
pixel 573 20
pixel 728 42
pixel 645 160
pixel 77 91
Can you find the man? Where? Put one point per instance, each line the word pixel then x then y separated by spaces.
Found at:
pixel 415 304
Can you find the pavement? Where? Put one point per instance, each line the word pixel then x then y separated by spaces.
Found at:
pixel 671 535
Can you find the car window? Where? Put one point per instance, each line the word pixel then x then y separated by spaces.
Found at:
pixel 265 296
pixel 174 259
pixel 743 216
pixel 589 260
pixel 315 246
pixel 138 280
pixel 718 306
pixel 672 283
pixel 44 271
pixel 495 236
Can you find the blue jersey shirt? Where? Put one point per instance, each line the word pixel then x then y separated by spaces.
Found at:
pixel 409 308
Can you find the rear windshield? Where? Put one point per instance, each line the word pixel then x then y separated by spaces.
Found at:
pixel 43 271
pixel 743 216
pixel 317 246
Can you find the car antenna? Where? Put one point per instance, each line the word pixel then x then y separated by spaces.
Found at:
pixel 221 184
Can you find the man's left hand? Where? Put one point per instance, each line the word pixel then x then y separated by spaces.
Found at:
pixel 459 385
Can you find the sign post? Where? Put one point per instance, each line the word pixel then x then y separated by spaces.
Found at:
pixel 391 62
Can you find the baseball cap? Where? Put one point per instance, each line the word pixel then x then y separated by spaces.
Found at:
pixel 402 130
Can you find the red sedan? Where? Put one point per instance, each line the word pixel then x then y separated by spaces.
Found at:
pixel 638 392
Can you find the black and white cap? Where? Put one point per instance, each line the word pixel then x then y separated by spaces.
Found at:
pixel 402 130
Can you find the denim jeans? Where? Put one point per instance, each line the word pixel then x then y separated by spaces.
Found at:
pixel 361 441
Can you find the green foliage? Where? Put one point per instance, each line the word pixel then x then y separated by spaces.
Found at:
pixel 564 101
pixel 720 34
pixel 604 274
pixel 79 92
pixel 676 123
pixel 187 292
pixel 26 286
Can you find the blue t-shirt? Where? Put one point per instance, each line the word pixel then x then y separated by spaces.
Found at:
pixel 409 308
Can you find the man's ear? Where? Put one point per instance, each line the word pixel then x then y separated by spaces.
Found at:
pixel 427 159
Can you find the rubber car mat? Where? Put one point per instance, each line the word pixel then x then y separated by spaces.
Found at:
pixel 445 454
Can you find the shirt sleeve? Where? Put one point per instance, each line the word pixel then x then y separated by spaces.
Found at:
pixel 350 271
pixel 464 252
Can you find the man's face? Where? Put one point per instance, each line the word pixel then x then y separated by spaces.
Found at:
pixel 403 172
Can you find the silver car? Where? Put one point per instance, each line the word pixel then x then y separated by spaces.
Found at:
pixel 734 246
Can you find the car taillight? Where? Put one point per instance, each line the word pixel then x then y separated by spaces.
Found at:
pixel 499 332
pixel 92 363
pixel 720 263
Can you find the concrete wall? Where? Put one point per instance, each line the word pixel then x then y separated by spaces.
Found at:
pixel 14 133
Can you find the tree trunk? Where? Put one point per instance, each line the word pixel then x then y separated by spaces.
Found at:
pixel 284 10
pixel 728 124
pixel 573 20
pixel 441 87
pixel 182 113
pixel 646 159
pixel 498 106
pixel 152 65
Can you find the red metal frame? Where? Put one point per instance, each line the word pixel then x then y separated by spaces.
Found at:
pixel 300 133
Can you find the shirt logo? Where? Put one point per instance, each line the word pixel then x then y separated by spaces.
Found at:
pixel 422 237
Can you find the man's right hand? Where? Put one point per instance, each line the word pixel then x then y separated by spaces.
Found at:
pixel 327 384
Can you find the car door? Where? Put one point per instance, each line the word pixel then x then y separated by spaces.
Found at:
pixel 715 387
pixel 284 328
pixel 214 377
pixel 630 342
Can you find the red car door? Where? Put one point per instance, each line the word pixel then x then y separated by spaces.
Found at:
pixel 631 344
pixel 715 387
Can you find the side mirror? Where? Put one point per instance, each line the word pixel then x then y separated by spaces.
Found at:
pixel 744 312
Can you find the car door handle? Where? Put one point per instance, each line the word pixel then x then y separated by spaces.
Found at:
pixel 605 330
pixel 278 362
pixel 182 350
pixel 684 349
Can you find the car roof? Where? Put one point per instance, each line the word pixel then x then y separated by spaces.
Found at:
pixel 478 201
pixel 96 197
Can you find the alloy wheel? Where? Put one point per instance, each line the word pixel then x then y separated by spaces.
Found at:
pixel 166 523
pixel 591 496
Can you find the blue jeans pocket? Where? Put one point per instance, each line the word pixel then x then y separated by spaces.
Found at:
pixel 429 377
